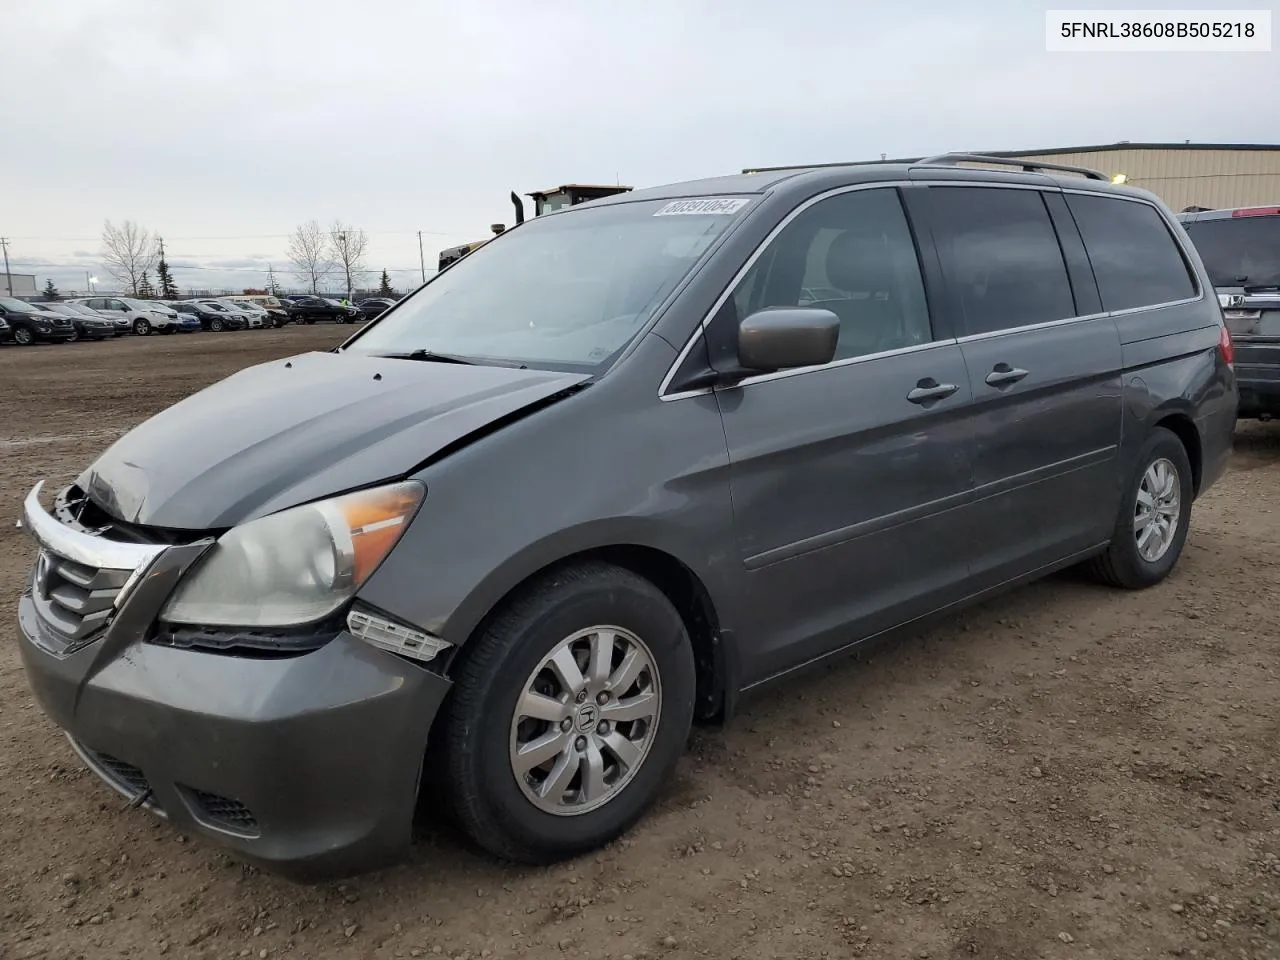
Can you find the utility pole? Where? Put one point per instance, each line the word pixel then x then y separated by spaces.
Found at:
pixel 271 279
pixel 421 259
pixel 4 242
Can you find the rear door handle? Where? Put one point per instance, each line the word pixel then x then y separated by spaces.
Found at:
pixel 929 389
pixel 1002 374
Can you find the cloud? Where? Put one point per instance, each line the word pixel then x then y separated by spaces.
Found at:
pixel 408 117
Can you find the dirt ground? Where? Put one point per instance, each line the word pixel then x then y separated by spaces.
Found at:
pixel 1067 771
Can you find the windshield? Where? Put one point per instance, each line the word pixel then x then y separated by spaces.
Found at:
pixel 17 306
pixel 567 291
pixel 1239 251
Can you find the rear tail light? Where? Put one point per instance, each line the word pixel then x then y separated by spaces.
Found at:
pixel 1256 212
pixel 1226 347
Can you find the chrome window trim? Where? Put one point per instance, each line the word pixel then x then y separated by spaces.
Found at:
pixel 1042 325
pixel 915 348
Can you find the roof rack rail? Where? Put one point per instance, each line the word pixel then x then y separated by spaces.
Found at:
pixel 1030 166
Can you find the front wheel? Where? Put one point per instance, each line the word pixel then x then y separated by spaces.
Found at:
pixel 1155 515
pixel 142 327
pixel 568 715
pixel 23 337
pixel 215 325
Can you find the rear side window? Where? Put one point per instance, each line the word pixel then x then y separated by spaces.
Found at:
pixel 1135 259
pixel 1001 257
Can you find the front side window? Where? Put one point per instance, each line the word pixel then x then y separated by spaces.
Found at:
pixel 567 291
pixel 1001 257
pixel 852 254
pixel 1134 256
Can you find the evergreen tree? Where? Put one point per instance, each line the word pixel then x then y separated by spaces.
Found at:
pixel 145 290
pixel 168 289
pixel 384 290
pixel 50 291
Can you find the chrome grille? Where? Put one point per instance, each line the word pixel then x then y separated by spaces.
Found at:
pixel 84 563
pixel 74 601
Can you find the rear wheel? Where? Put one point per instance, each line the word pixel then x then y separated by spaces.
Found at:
pixel 1155 515
pixel 568 714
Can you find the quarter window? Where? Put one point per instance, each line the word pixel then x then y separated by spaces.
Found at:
pixel 852 254
pixel 1134 257
pixel 1001 257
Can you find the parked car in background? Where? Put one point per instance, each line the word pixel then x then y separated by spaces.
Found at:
pixel 212 317
pixel 166 318
pixel 141 319
pixel 230 309
pixel 87 327
pixel 1241 250
pixel 29 324
pixel 374 305
pixel 256 316
pixel 275 309
pixel 119 322
pixel 311 309
pixel 1007 374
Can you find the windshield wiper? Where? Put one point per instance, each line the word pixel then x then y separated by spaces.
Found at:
pixel 434 357
pixel 430 355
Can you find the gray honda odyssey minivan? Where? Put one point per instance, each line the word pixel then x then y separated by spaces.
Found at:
pixel 598 479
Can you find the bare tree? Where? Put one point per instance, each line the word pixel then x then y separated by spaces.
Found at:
pixel 309 251
pixel 128 252
pixel 347 247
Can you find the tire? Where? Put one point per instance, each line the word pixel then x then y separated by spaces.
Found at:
pixel 73 338
pixel 23 337
pixel 215 325
pixel 142 327
pixel 481 734
pixel 1123 564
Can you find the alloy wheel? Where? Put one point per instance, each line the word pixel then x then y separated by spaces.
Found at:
pixel 1157 509
pixel 585 721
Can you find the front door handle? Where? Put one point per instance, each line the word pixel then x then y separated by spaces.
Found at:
pixel 1002 374
pixel 929 389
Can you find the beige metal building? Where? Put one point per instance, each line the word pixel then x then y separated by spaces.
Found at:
pixel 1213 175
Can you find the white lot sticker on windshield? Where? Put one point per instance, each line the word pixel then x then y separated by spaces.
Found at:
pixel 721 205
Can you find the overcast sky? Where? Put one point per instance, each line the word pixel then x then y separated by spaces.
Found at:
pixel 222 124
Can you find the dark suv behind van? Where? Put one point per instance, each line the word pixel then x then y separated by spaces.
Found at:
pixel 618 467
pixel 1241 250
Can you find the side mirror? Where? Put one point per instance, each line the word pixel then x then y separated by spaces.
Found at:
pixel 780 338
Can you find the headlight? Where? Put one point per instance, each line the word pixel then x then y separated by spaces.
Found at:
pixel 295 566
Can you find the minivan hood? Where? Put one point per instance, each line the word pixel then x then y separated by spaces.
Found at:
pixel 294 430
